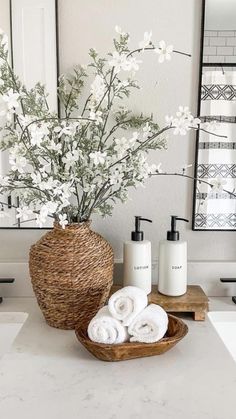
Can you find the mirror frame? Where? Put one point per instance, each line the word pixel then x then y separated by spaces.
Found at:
pixel 198 114
pixel 19 227
pixel 203 13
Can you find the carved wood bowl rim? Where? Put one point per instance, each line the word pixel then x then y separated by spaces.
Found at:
pixel 130 350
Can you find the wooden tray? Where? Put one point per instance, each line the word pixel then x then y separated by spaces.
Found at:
pixel 194 301
pixel 177 329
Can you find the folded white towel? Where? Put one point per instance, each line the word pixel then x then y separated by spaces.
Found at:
pixel 103 328
pixel 126 303
pixel 150 325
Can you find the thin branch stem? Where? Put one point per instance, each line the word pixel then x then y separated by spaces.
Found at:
pixel 209 132
pixel 152 48
pixel 52 119
pixel 192 178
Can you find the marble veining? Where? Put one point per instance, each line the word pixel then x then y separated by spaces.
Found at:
pixel 47 374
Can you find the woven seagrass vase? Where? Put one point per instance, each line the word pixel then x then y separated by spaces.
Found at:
pixel 71 272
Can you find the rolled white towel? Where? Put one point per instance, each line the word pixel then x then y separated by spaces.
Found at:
pixel 103 328
pixel 150 325
pixel 126 303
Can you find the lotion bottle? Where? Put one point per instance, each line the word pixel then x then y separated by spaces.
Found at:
pixel 172 279
pixel 137 259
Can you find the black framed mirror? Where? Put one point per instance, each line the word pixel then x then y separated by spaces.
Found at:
pixel 214 207
pixel 33 52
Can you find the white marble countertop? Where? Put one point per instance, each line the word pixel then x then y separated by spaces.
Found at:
pixel 47 374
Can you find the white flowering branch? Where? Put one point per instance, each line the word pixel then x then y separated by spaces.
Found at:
pixel 87 160
pixel 215 186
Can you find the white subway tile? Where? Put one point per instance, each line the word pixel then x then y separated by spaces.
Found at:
pixel 230 59
pixel 210 50
pixel 216 59
pixel 226 33
pixel 231 41
pixel 218 41
pixel 206 41
pixel 205 58
pixel 210 33
pixel 225 51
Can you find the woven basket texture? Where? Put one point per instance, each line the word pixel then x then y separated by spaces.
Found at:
pixel 71 272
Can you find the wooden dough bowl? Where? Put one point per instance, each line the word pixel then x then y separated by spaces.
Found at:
pixel 177 329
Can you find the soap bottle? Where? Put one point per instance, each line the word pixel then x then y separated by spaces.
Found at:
pixel 172 279
pixel 137 259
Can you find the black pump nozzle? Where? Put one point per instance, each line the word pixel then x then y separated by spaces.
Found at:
pixel 137 235
pixel 173 235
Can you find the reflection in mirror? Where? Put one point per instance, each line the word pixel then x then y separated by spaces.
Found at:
pixel 33 47
pixel 215 205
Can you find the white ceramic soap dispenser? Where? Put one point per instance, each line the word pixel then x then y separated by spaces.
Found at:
pixel 172 279
pixel 137 259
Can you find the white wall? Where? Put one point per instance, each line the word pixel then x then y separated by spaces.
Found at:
pixel 91 24
pixel 4 16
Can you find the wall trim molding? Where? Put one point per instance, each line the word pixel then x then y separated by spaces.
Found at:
pixel 207 274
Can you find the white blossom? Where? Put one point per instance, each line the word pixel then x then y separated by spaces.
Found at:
pixel 194 122
pixel 122 62
pixel 116 177
pixel 63 129
pixel 17 163
pixel 71 158
pixel 122 84
pixel 26 120
pixel 51 206
pixel 211 126
pixel 122 145
pixel 131 64
pixel 98 157
pixel 11 99
pixel 218 184
pixel 8 113
pixel 4 180
pixel 119 30
pixel 46 209
pixel 152 169
pixel 181 126
pixel 133 139
pixel 64 191
pixel 38 134
pixel 63 220
pixel 164 51
pixel 146 40
pixel 96 117
pixel 55 147
pixel 183 121
pixel 41 218
pixel 98 88
pixel 24 213
pixel 183 112
pixel 117 61
pixel 146 131
pixel 169 119
pixel 89 188
pixel 49 184
pixel 36 178
pixel 159 170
